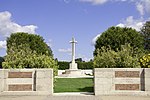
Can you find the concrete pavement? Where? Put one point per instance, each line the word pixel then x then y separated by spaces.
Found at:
pixel 50 98
pixel 125 97
pixel 92 97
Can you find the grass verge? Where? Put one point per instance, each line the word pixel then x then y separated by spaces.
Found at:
pixel 73 85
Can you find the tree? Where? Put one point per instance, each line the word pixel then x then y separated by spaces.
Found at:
pixel 36 43
pixel 1 60
pixel 78 60
pixel 114 37
pixel 23 51
pixel 145 31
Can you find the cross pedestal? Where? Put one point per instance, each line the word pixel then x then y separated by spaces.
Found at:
pixel 73 70
pixel 73 66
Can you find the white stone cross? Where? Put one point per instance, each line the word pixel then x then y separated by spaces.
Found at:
pixel 73 49
pixel 73 65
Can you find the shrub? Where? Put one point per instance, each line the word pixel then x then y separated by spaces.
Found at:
pixel 127 57
pixel 145 61
pixel 24 57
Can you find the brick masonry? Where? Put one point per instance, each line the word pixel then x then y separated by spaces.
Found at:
pixel 126 86
pixel 20 87
pixel 19 74
pixel 130 74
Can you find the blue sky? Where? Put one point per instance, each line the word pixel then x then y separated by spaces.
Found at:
pixel 58 20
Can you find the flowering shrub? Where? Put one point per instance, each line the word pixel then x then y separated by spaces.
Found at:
pixel 145 61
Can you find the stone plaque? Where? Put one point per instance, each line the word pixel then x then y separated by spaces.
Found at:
pixel 126 86
pixel 19 74
pixel 20 87
pixel 132 74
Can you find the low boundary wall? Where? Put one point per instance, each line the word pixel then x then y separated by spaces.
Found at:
pixel 88 71
pixel 107 81
pixel 122 81
pixel 26 81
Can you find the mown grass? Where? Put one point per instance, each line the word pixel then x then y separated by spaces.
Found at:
pixel 73 85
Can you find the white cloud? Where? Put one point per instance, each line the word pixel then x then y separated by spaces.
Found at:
pixel 84 58
pixel 128 22
pixel 95 2
pixel 49 43
pixel 7 26
pixel 65 50
pixel 140 8
pixel 95 38
pixel 147 5
pixel 133 23
pixel 2 44
pixel 99 2
pixel 66 1
pixel 143 6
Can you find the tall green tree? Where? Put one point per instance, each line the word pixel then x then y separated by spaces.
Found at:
pixel 34 41
pixel 28 51
pixel 145 31
pixel 114 37
pixel 1 60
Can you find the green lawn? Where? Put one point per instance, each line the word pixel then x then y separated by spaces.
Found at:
pixel 73 85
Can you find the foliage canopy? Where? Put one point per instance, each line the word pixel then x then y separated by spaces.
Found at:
pixel 27 53
pixel 1 60
pixel 145 31
pixel 35 43
pixel 114 37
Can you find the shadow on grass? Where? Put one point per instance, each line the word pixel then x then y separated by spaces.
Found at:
pixel 87 89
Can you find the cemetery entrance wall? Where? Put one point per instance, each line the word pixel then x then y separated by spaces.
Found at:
pixel 122 81
pixel 26 81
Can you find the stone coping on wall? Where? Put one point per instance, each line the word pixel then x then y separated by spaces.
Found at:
pixel 125 93
pixel 23 93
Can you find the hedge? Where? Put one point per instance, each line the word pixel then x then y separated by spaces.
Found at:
pixel 63 65
pixel 81 65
